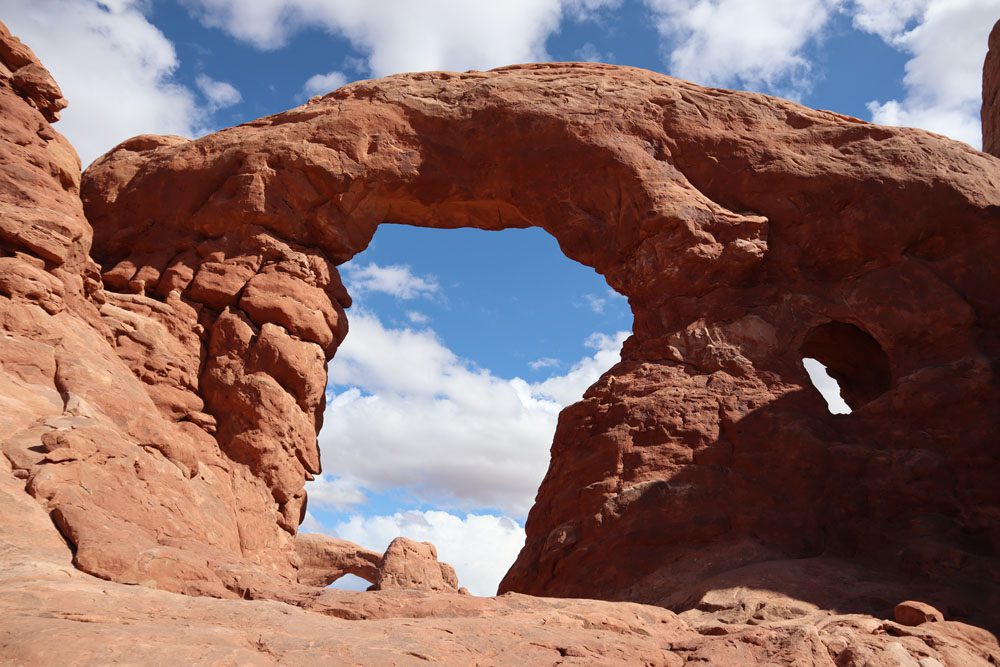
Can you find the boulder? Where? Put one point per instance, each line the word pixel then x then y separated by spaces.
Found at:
pixel 411 565
pixel 911 612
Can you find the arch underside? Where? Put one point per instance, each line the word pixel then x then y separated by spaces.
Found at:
pixel 735 224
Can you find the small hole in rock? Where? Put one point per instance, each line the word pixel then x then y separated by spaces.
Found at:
pixel 827 387
pixel 350 582
pixel 846 363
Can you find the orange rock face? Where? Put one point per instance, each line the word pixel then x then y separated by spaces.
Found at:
pixel 163 387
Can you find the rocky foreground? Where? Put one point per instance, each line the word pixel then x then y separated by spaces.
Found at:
pixel 166 319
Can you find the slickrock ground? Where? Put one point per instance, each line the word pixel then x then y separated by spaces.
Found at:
pixel 163 366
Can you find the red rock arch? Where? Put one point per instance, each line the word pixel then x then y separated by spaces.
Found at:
pixel 734 223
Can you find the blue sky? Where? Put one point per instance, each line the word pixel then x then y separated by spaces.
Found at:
pixel 465 343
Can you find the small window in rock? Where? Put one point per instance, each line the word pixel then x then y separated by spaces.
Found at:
pixel 350 582
pixel 846 364
pixel 827 387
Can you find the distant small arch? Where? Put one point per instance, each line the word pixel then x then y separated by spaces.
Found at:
pixel 853 358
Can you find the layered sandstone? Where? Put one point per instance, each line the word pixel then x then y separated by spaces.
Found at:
pixel 161 405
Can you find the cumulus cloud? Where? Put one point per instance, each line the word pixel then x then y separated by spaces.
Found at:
pixel 757 44
pixel 414 415
pixel 402 36
pixel 943 81
pixel 417 317
pixel 481 547
pixel 826 386
pixel 319 84
pixel 339 493
pixel 115 68
pixel 397 280
pixel 218 94
pixel 887 18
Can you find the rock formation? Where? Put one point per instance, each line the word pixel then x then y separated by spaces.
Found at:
pixel 410 565
pixel 324 560
pixel 405 565
pixel 161 404
pixel 991 95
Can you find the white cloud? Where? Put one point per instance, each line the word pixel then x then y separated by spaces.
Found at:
pixel 827 386
pixel 947 42
pixel 218 94
pixel 595 303
pixel 402 36
pixel 338 493
pixel 394 279
pixel 886 18
pixel 757 44
pixel 319 84
pixel 481 547
pixel 417 416
pixel 310 524
pixel 417 317
pixel 598 303
pixel 113 66
pixel 568 388
pixel 544 362
pixel 591 54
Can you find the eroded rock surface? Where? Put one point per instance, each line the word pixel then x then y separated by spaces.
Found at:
pixel 326 559
pixel 55 614
pixel 411 565
pixel 747 233
pixel 991 94
pixel 160 406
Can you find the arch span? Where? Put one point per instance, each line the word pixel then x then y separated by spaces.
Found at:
pixel 734 223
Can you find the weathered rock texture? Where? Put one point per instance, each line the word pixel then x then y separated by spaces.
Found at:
pixel 326 559
pixel 161 409
pixel 991 94
pixel 55 614
pixel 747 232
pixel 405 565
pixel 408 564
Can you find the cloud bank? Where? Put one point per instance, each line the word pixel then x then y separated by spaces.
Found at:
pixel 480 561
pixel 402 36
pixel 754 44
pixel 411 414
pixel 946 40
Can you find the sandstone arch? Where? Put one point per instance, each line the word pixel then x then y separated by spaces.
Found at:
pixel 735 224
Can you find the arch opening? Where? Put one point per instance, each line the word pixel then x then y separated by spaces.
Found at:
pixel 463 347
pixel 846 362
